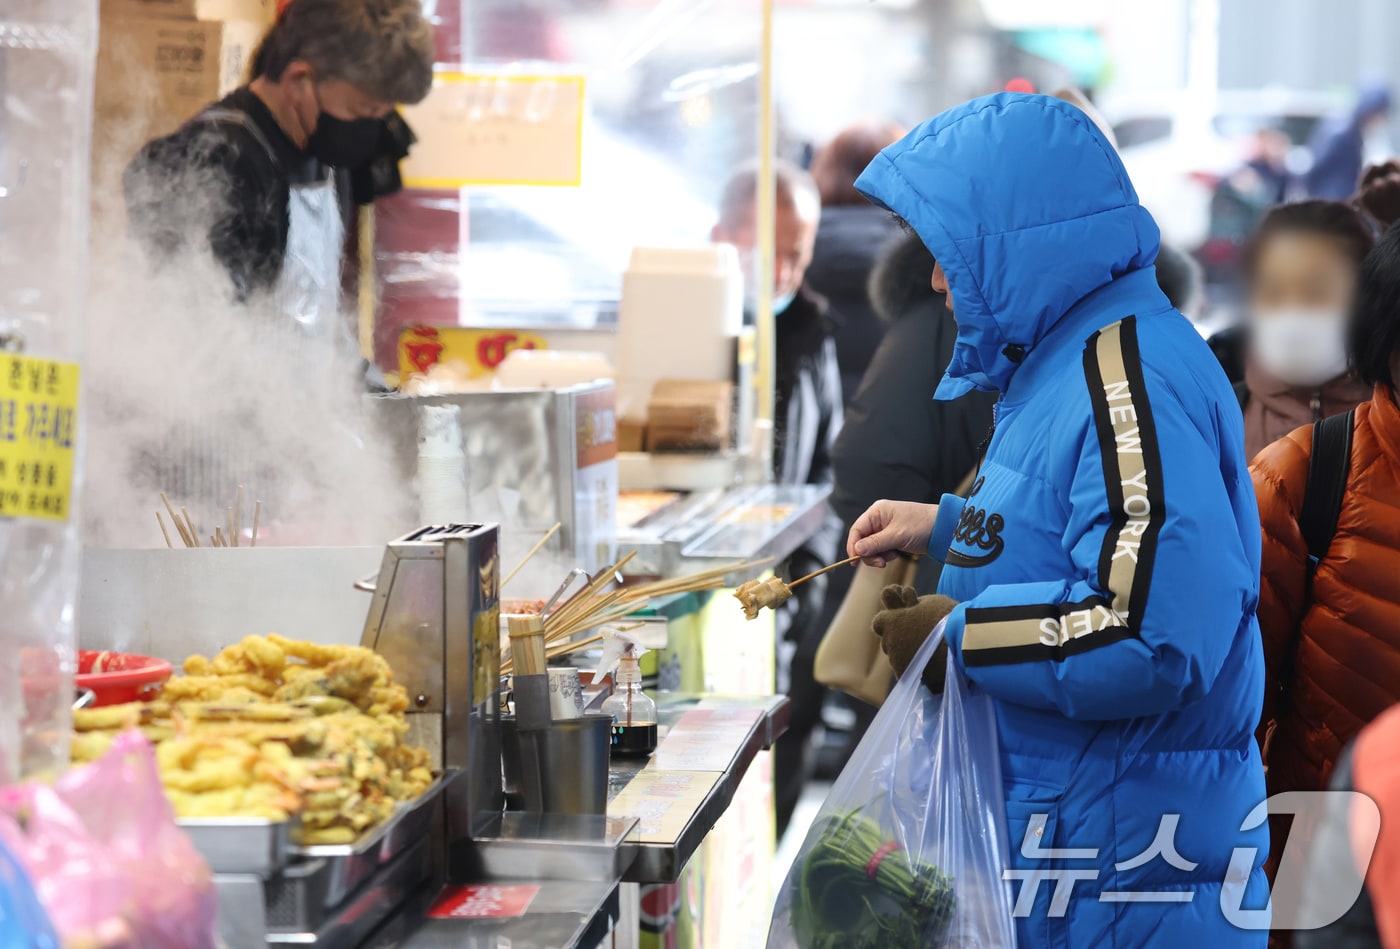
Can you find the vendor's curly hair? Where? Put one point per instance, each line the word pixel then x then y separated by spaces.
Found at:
pixel 384 47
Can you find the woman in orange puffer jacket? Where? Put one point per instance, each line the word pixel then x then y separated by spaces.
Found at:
pixel 1332 640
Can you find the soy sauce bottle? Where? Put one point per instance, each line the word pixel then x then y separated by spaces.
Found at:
pixel 633 712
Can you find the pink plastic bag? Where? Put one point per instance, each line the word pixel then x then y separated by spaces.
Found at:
pixel 106 857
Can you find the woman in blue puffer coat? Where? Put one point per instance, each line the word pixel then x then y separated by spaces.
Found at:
pixel 1105 567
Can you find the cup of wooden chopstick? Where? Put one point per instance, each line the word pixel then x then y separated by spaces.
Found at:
pixel 189 532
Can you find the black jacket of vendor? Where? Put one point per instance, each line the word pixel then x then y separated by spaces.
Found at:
pixel 227 183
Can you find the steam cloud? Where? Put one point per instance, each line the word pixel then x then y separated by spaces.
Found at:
pixel 191 392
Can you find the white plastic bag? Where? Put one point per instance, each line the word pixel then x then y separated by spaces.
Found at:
pixel 909 848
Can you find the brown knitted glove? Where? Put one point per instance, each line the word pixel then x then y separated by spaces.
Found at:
pixel 904 624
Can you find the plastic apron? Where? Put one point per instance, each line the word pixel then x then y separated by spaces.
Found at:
pixel 204 463
pixel 308 288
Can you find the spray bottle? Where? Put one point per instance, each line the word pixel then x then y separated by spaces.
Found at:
pixel 632 710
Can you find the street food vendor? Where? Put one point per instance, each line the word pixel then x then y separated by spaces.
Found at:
pixel 251 179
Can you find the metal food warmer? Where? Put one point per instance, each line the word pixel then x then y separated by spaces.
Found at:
pixel 532 458
pixel 433 614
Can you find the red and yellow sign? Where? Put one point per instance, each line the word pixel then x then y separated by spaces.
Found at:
pixel 480 351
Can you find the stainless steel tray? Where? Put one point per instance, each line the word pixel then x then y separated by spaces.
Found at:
pixel 241 844
pixel 296 910
pixel 350 865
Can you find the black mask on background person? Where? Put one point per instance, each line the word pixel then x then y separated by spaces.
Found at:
pixel 344 144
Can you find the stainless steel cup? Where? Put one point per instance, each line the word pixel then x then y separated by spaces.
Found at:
pixel 562 769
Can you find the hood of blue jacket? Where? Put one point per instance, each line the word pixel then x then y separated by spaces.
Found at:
pixel 1027 207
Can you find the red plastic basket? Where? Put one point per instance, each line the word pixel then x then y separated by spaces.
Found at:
pixel 117 677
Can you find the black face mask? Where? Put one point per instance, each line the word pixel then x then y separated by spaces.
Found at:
pixel 344 144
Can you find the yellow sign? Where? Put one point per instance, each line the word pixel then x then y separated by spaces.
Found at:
pixel 38 435
pixel 497 129
pixel 479 351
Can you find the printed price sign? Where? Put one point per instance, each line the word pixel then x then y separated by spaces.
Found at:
pixel 483 901
pixel 497 129
pixel 38 434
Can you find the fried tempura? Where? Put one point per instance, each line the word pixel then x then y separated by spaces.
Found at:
pixel 212 687
pixel 272 727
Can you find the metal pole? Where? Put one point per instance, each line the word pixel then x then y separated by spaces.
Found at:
pixel 767 201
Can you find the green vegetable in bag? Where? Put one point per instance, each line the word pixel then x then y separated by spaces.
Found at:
pixel 857 890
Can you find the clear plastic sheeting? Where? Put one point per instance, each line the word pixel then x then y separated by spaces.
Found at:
pixel 47 51
pixel 671 108
pixel 910 848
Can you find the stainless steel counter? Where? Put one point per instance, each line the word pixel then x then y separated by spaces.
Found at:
pixel 660 809
pixel 685 787
pixel 560 916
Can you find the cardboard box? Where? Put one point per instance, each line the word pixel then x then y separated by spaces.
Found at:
pixel 152 75
pixel 251 11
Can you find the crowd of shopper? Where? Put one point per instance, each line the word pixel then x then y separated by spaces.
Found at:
pixel 1088 420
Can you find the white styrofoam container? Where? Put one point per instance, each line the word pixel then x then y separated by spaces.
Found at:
pixel 681 309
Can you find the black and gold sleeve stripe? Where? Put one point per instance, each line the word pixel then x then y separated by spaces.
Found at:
pixel 1132 471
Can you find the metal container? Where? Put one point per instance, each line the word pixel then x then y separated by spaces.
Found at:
pixel 573 757
pixel 295 899
pixel 241 844
pixel 347 866
pixel 534 457
pixel 435 618
pixel 171 603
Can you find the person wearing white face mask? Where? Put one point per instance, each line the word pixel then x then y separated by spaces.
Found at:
pixel 1328 599
pixel 1301 269
pixel 807 414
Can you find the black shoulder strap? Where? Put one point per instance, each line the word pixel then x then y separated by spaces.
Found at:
pixel 1242 393
pixel 1327 484
pixel 216 115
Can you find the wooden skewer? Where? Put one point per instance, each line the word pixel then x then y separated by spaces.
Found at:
pixel 581 600
pixel 219 539
pixel 230 536
pixel 817 573
pixel 527 644
pixel 533 550
pixel 583 608
pixel 184 534
pixel 257 512
pixel 566 648
pixel 164 533
pixel 194 532
pixel 704 580
pixel 561 649
pixel 238 514
pixel 601 617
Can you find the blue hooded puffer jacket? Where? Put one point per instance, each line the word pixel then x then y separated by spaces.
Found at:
pixel 1107 561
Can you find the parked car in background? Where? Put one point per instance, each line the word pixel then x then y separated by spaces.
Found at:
pixel 1178 148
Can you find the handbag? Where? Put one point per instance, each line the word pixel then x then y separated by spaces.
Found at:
pixel 850 658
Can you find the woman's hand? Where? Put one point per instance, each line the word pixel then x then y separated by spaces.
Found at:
pixel 889 527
